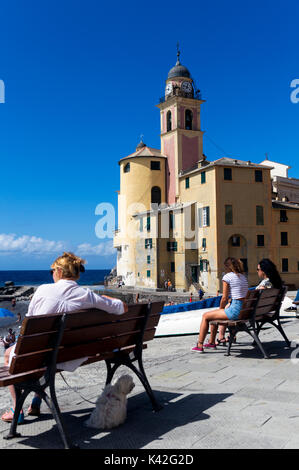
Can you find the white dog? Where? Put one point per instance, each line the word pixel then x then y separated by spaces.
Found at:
pixel 111 406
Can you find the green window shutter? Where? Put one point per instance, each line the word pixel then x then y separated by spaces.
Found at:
pixel 208 216
pixel 200 217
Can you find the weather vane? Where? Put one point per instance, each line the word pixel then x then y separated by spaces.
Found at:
pixel 178 52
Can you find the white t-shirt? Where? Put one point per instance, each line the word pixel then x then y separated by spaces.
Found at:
pixel 66 296
pixel 238 285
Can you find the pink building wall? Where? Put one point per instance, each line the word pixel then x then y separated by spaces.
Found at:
pixel 182 118
pixel 164 120
pixel 169 151
pixel 189 152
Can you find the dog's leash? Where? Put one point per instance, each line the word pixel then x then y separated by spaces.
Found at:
pixel 75 391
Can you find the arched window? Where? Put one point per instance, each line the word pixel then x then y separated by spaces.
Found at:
pixel 168 121
pixel 127 168
pixel 188 119
pixel 156 195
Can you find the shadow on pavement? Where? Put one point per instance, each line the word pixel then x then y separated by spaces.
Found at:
pixel 142 427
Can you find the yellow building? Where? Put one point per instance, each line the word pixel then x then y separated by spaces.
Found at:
pixel 180 215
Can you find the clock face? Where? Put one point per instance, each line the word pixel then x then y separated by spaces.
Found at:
pixel 187 87
pixel 168 88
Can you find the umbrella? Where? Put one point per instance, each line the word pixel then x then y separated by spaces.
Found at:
pixel 6 317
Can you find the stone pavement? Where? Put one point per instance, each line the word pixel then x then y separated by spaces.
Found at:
pixel 210 401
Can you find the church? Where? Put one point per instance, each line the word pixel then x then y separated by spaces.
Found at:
pixel 180 215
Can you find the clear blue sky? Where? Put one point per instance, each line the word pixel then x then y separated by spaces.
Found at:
pixel 82 79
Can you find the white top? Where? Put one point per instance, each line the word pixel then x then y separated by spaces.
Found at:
pixel 238 285
pixel 66 296
pixel 264 284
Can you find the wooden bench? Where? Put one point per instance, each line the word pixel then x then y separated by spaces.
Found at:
pixel 47 340
pixel 259 307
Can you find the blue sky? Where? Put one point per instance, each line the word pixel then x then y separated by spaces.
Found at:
pixel 82 79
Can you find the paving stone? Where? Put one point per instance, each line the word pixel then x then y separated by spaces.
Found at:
pixel 210 401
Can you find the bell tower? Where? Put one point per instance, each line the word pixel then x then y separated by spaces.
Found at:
pixel 181 134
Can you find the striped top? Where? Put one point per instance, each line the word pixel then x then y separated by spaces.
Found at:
pixel 238 285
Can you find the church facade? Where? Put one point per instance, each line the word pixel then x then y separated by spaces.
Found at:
pixel 181 215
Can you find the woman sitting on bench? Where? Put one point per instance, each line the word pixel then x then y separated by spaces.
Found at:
pixel 268 274
pixel 64 295
pixel 235 285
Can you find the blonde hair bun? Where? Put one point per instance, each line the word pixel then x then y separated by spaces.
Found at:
pixel 70 264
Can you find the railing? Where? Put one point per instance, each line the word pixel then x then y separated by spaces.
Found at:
pixel 197 96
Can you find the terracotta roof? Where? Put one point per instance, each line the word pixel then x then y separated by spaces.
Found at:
pixel 144 152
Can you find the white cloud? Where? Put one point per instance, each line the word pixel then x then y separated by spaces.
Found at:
pixel 103 249
pixel 37 246
pixel 26 244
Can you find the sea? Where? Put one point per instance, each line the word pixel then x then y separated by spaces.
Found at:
pixel 91 277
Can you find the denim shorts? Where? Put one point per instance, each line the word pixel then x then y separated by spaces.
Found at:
pixel 234 309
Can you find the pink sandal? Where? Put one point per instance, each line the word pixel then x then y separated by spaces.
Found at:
pixel 210 345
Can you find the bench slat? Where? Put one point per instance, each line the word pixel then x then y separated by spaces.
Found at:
pixel 50 322
pixel 25 362
pixel 31 343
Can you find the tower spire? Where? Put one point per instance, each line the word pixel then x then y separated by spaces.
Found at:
pixel 178 54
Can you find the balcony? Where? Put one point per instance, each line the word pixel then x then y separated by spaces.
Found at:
pixel 178 92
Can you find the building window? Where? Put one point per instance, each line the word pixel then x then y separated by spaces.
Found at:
pixel 245 264
pixel 127 168
pixel 283 216
pixel 260 240
pixel 204 243
pixel 148 224
pixel 168 117
pixel 203 265
pixel 141 225
pixel 187 183
pixel 235 240
pixel 155 165
pixel 148 243
pixel 188 119
pixel 227 174
pixel 171 220
pixel 156 195
pixel 204 217
pixel 284 238
pixel 148 273
pixel 258 176
pixel 285 265
pixel 259 215
pixel 148 259
pixel 172 246
pixel 228 214
pixel 172 267
pixel 203 177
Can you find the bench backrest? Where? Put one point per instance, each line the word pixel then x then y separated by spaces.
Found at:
pixel 260 303
pixel 86 333
pixel 249 304
pixel 269 303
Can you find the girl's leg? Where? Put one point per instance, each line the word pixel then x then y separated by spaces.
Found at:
pixel 204 327
pixel 222 329
pixel 10 387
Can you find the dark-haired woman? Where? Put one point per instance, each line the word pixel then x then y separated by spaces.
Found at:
pixel 235 286
pixel 268 274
